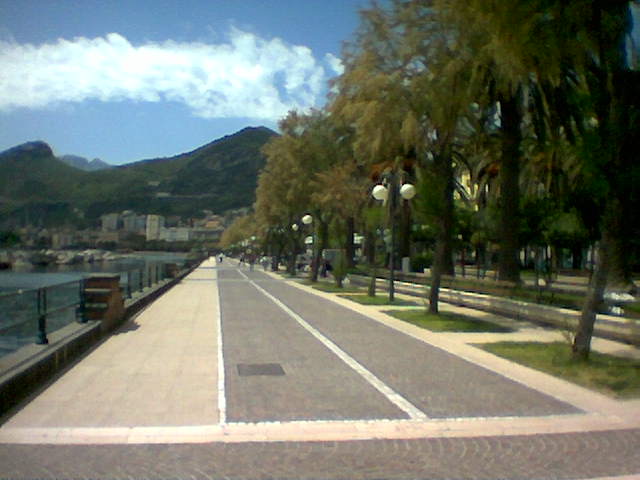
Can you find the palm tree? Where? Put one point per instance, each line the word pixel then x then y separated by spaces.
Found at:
pixel 614 91
pixel 514 46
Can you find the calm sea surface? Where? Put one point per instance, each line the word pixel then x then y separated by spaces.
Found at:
pixel 38 276
pixel 19 300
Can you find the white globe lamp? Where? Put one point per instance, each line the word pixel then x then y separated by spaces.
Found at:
pixel 380 192
pixel 407 191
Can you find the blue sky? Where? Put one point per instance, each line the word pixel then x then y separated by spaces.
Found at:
pixel 124 80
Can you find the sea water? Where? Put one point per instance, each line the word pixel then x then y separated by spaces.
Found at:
pixel 19 303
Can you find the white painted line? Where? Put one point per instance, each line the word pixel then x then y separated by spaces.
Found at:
pixel 222 400
pixel 394 397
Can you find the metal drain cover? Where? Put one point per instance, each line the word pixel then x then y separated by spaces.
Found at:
pixel 257 369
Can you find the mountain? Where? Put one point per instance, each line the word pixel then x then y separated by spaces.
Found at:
pixel 84 164
pixel 38 188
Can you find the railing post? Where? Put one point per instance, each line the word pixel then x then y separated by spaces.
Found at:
pixel 129 278
pixel 80 311
pixel 42 317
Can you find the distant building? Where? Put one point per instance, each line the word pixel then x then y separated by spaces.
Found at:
pixel 109 237
pixel 133 223
pixel 207 234
pixel 155 225
pixel 175 234
pixel 110 222
pixel 173 221
pixel 87 237
pixel 62 240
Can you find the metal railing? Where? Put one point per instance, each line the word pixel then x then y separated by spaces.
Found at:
pixel 26 316
pixel 137 279
pixel 29 315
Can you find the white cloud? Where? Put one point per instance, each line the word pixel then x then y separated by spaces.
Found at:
pixel 335 63
pixel 246 77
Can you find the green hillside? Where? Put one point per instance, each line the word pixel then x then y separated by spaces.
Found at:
pixel 37 188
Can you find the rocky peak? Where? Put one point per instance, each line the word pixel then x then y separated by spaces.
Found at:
pixel 38 148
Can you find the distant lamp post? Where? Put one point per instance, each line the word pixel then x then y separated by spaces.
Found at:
pixel 308 220
pixel 388 192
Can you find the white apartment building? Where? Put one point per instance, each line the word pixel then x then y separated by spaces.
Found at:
pixel 155 225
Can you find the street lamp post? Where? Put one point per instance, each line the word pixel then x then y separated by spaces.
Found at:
pixel 308 220
pixel 294 248
pixel 388 192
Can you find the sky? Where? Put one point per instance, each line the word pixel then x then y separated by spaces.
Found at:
pixel 126 80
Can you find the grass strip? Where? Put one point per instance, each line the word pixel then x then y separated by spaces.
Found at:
pixel 614 376
pixel 379 300
pixel 332 287
pixel 632 310
pixel 446 322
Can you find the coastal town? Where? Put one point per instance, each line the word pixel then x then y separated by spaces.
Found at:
pixel 118 233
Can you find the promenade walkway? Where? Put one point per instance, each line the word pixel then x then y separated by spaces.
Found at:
pixel 239 374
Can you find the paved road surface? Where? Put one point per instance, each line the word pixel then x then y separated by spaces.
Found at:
pixel 238 374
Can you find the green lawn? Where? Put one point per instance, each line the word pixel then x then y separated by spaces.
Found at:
pixel 446 322
pixel 611 375
pixel 379 300
pixel 332 288
pixel 632 309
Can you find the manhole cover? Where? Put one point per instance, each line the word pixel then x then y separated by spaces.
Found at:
pixel 254 369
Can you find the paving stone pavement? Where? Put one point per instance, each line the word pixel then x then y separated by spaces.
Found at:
pixel 315 383
pixel 335 412
pixel 439 383
pixel 567 456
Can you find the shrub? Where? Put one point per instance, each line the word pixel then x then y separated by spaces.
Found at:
pixel 421 261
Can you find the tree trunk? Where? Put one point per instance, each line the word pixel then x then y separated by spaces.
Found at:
pixel 405 230
pixel 576 257
pixel 291 264
pixel 443 258
pixel 372 267
pixel 349 246
pixel 619 278
pixel 436 278
pixel 611 85
pixel 320 243
pixel 371 291
pixel 370 247
pixel 509 177
pixel 593 302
